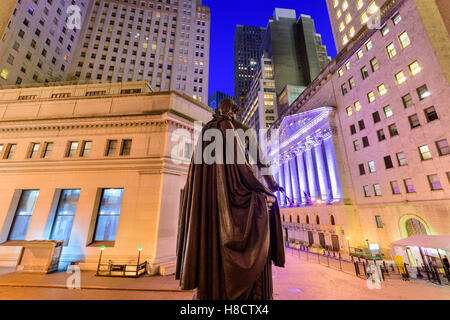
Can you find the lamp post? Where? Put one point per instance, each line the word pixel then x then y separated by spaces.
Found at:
pixel 100 258
pixel 139 258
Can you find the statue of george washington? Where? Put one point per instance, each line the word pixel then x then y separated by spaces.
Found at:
pixel 229 227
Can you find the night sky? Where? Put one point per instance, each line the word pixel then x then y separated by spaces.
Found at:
pixel 226 14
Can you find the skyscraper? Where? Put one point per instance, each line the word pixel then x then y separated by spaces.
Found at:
pixel 164 43
pixel 216 98
pixel 247 52
pixel 37 45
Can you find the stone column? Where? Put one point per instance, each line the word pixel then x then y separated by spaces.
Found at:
pixel 301 176
pixel 287 181
pixel 321 172
pixel 333 173
pixel 281 175
pixel 294 181
pixel 310 171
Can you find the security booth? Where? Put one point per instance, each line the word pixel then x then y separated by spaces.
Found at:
pixel 39 256
pixel 427 253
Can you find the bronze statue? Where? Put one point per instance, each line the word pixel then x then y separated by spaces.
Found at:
pixel 229 232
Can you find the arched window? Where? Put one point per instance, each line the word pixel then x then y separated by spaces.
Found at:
pixel 332 222
pixel 415 227
pixel 298 219
pixel 307 219
pixel 317 220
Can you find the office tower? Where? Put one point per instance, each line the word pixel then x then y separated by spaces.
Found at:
pixel 247 52
pixel 292 56
pixel 216 98
pixel 37 44
pixel 165 43
pixel 6 11
pixel 369 137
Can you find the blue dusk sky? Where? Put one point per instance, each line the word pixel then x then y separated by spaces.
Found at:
pixel 226 14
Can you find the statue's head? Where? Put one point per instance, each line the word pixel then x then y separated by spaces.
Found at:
pixel 227 107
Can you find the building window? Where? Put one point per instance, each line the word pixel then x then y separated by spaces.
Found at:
pixel 10 150
pixel 357 106
pixel 414 121
pixel 391 51
pixel 48 147
pixel 380 134
pixel 415 227
pixel 378 222
pixel 351 83
pixel 369 45
pixel 404 40
pixel 388 162
pixel 435 184
pixel 387 111
pixel 361 125
pixel 86 148
pixel 401 158
pixel 397 18
pixel 4 74
pixel 359 54
pixel 400 77
pixel 414 68
pixel 409 185
pixel 125 150
pixel 377 190
pixel 407 101
pixel 108 215
pixel 356 145
pixel 366 190
pixel 34 148
pixel 376 117
pixel 72 149
pixel 65 214
pixel 344 89
pixel 364 73
pixel 430 114
pixel 111 148
pixel 423 92
pixel 362 170
pixel 442 147
pixel 382 89
pixel 384 30
pixel 374 64
pixel 349 111
pixel 371 165
pixel 425 153
pixel 395 187
pixel 371 97
pixel 352 129
pixel 23 215
pixel 365 141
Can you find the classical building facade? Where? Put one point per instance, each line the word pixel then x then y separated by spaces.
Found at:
pixel 389 91
pixel 93 165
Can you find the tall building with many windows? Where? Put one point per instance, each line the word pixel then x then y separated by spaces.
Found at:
pixel 164 43
pixel 365 156
pixel 217 97
pixel 247 52
pixel 37 46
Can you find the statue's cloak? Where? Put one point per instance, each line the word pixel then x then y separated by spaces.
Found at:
pixel 226 230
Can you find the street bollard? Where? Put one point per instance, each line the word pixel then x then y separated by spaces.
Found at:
pixel 340 262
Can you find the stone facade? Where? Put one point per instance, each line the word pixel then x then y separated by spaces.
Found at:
pixel 150 180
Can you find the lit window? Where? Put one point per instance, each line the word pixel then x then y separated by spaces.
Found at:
pixel 425 153
pixel 336 3
pixel 351 83
pixel 401 158
pixel 4 74
pixel 108 215
pixel 387 111
pixel 65 214
pixel 351 32
pixel 47 150
pixel 356 145
pixel 371 165
pixel 359 4
pixel 404 40
pixel 34 150
pixel 442 147
pixel 369 45
pixel 345 5
pixel 86 148
pixel 385 30
pixel 409 186
pixel 359 54
pixel 400 77
pixel 414 68
pixel 338 14
pixel 341 26
pixel 348 18
pixel 268 96
pixel 423 92
pixel 377 190
pixel 268 102
pixel 23 215
pixel 374 64
pixel 347 65
pixel 391 51
pixel 349 111
pixel 435 184
pixel 364 18
pixel 340 72
pixel 414 121
pixel 357 106
pixel 371 97
pixel 397 19
pixel 72 149
pixel 373 7
pixel 344 39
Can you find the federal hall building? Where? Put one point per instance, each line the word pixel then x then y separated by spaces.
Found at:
pixel 92 165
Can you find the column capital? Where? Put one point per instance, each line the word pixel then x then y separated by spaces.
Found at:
pixel 309 144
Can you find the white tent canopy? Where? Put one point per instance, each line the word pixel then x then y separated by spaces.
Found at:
pixel 425 241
